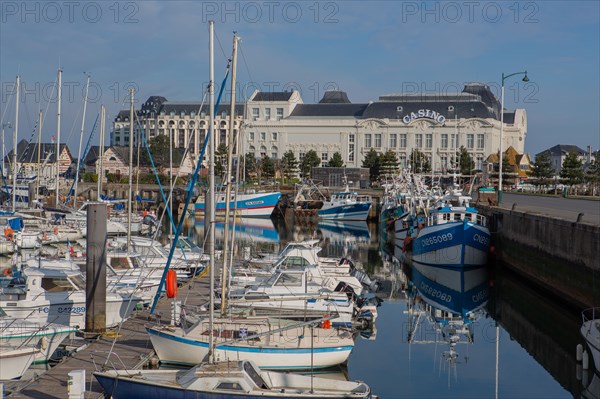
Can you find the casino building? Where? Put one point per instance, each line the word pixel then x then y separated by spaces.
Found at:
pixel 275 122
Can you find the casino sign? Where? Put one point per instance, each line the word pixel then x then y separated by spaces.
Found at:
pixel 424 114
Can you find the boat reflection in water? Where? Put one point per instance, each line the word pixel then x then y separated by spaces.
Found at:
pixel 450 301
pixel 347 233
pixel 246 229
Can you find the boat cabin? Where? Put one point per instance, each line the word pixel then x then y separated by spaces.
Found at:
pixel 450 214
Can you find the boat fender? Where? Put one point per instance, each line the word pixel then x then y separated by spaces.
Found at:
pixel 407 243
pixel 171 284
pixel 326 324
pixel 45 236
pixel 44 343
pixel 55 229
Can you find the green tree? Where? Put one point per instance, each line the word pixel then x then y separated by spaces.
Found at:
pixel 250 165
pixel 267 167
pixel 419 162
pixel 593 173
pixel 160 151
pixel 389 163
pixel 336 161
pixel 373 162
pixel 311 160
pixel 572 169
pixel 289 164
pixel 221 160
pixel 90 177
pixel 465 161
pixel 542 169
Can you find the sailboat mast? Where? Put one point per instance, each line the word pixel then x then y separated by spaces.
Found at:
pixel 232 140
pixel 130 168
pixel 39 166
pixel 15 135
pixel 210 206
pixel 59 92
pixel 87 86
pixel 101 149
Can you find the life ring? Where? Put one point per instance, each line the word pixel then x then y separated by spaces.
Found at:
pixel 171 284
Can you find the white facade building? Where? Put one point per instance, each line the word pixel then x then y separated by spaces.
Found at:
pixel 275 122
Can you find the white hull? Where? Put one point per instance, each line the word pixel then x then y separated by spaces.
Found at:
pixel 590 330
pixel 14 362
pixel 17 333
pixel 69 313
pixel 288 352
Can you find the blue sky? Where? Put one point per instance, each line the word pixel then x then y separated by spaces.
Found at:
pixel 365 48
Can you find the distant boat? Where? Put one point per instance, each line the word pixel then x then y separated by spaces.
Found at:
pixel 243 204
pixel 590 330
pixel 346 205
pixel 225 380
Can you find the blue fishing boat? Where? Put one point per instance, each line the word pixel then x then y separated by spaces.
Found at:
pixel 346 205
pixel 453 234
pixel 251 204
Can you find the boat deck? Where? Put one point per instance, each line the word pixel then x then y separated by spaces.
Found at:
pixel 130 350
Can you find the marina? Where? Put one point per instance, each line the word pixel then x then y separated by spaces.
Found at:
pixel 186 225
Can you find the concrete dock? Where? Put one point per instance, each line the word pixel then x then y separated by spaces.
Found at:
pixel 127 347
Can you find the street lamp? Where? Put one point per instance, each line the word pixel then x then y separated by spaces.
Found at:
pixel 504 77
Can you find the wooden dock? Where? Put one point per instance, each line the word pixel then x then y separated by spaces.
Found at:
pixel 129 348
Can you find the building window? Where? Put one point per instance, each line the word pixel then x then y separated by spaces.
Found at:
pixel 351 138
pixel 279 113
pixel 444 141
pixel 403 141
pixel 368 143
pixel 351 153
pixel 251 136
pixel 274 136
pixel 393 140
pixel 222 138
pixel 301 156
pixel 255 113
pixel 428 140
pixel 267 113
pixel 324 156
pixel 454 141
pixel 402 159
pixel 479 162
pixel 263 151
pixel 418 140
pixel 480 141
pixel 444 162
pixel 378 140
pixel 274 152
pixel 263 136
pixel 470 140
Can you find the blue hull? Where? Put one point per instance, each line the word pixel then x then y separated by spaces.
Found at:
pixel 257 205
pixel 124 388
pixel 454 244
pixel 359 211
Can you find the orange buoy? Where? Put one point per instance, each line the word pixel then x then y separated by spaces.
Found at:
pixel 326 324
pixel 9 233
pixel 171 284
pixel 7 271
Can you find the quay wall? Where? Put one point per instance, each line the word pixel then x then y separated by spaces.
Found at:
pixel 559 255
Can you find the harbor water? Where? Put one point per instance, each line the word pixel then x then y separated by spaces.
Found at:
pixel 507 339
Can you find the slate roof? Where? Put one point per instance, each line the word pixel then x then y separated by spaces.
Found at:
pixel 562 149
pixel 272 96
pixel 331 110
pixel 28 152
pixel 178 107
pixel 335 97
pixel 398 110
